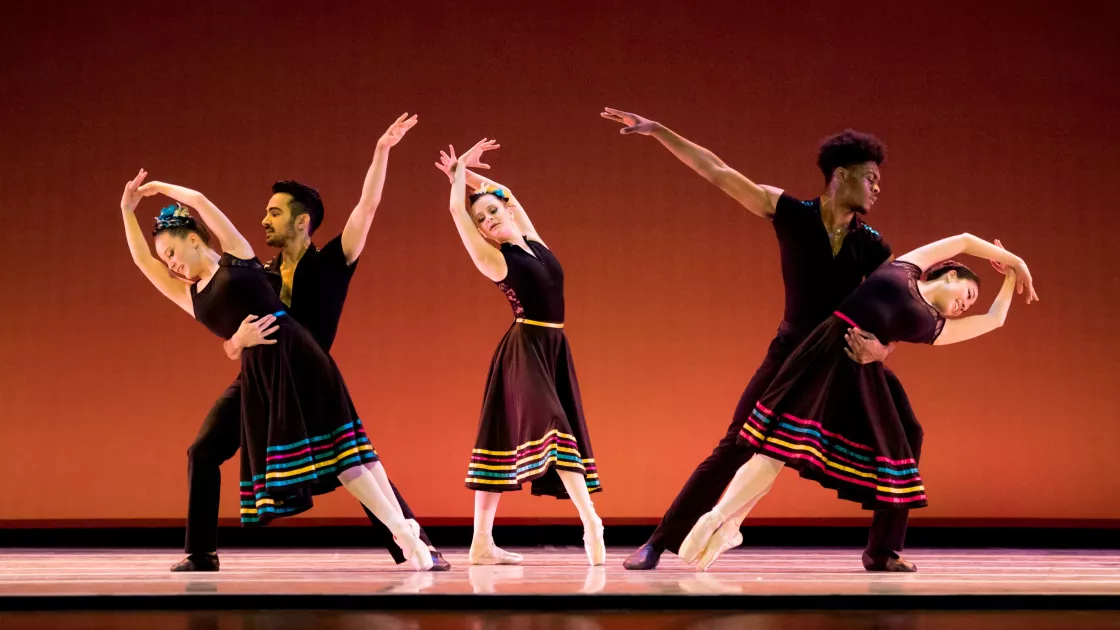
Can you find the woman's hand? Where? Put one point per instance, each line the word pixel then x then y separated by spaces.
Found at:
pixel 448 162
pixel 634 123
pixel 1023 279
pixel 132 195
pixel 397 130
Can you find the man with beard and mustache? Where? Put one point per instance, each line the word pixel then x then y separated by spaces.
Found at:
pixel 312 283
pixel 826 251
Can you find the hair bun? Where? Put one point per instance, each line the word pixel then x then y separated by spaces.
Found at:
pixel 175 215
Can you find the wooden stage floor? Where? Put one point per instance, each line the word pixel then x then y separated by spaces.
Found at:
pixel 559 579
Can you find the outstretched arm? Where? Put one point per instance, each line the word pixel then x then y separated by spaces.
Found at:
pixel 488 260
pixel 155 271
pixel 231 240
pixel 928 255
pixel 357 226
pixel 476 181
pixel 760 200
pixel 965 328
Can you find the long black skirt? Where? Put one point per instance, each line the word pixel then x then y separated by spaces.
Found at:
pixel 299 428
pixel 836 422
pixel 532 420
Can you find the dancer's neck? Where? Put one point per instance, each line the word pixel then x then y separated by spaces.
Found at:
pixel 293 251
pixel 834 217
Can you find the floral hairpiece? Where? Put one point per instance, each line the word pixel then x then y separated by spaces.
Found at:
pixel 175 215
pixel 498 192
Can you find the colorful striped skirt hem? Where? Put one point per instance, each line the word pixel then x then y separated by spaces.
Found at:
pixel 498 471
pixel 853 469
pixel 281 490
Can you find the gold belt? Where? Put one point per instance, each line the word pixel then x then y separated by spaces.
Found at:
pixel 533 322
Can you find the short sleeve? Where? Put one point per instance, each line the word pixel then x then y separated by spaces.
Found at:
pixel 333 259
pixel 787 207
pixel 876 249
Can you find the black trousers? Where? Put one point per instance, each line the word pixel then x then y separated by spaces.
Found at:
pixel 218 440
pixel 703 489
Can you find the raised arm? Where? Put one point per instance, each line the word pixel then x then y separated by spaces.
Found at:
pixel 965 328
pixel 477 182
pixel 220 226
pixel 357 226
pixel 488 260
pixel 926 256
pixel 760 200
pixel 155 271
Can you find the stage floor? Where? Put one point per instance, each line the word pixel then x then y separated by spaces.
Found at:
pixel 559 579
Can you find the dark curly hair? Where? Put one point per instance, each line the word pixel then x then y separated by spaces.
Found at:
pixel 847 149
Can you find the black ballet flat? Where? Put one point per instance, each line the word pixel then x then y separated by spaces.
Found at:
pixel 890 565
pixel 644 559
pixel 438 563
pixel 197 562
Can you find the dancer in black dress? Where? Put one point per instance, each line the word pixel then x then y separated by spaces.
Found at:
pixel 300 434
pixel 836 421
pixel 532 427
pixel 322 271
pixel 826 249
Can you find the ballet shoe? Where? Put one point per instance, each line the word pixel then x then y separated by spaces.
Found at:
pixel 726 537
pixel 412 525
pixel 698 537
pixel 644 558
pixel 197 562
pixel 487 553
pixel 593 543
pixel 415 550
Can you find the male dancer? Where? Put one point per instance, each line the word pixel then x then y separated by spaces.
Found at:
pixel 322 276
pixel 826 251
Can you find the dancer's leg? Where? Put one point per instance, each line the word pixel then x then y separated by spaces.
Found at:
pixel 378 472
pixel 360 482
pixel 706 483
pixel 728 535
pixel 593 542
pixel 384 535
pixel 751 481
pixel 483 550
pixel 888 527
pixel 218 440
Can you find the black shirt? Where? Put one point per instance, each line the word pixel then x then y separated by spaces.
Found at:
pixel 319 288
pixel 534 284
pixel 815 281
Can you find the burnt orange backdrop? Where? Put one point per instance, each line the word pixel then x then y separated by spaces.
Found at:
pixel 1001 121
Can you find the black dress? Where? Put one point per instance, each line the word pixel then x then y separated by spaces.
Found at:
pixel 532 419
pixel 836 421
pixel 299 429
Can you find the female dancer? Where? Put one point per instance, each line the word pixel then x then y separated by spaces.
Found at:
pixel 300 433
pixel 532 427
pixel 834 420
